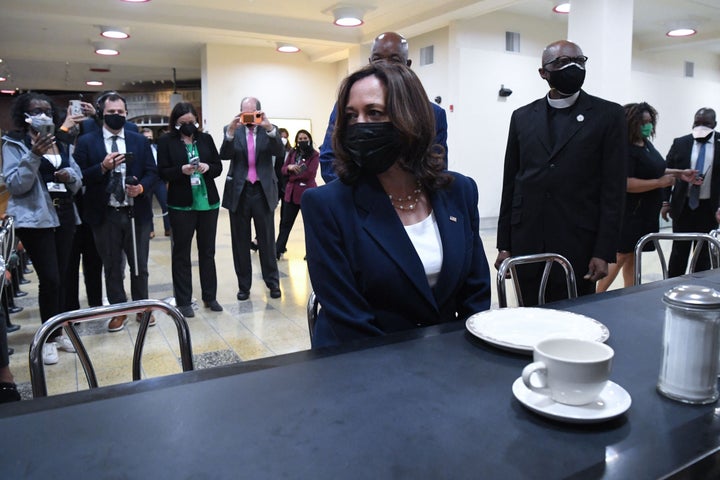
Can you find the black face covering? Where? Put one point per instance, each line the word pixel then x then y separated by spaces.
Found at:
pixel 372 146
pixel 114 121
pixel 568 80
pixel 304 146
pixel 188 129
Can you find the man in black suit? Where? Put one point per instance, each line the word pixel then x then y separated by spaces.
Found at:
pixel 253 145
pixel 118 189
pixel 693 208
pixel 564 178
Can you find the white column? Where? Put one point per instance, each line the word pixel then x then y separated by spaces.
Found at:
pixel 603 29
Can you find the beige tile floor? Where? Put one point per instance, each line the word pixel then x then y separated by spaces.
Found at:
pixel 259 327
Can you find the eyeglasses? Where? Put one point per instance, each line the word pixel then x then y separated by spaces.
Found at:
pixel 560 62
pixel 40 111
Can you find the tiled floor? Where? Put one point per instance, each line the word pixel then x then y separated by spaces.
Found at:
pixel 258 327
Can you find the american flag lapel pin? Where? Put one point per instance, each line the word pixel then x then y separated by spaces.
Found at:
pixel 453 219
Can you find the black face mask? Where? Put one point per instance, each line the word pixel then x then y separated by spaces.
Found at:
pixel 114 121
pixel 568 80
pixel 304 146
pixel 373 147
pixel 188 129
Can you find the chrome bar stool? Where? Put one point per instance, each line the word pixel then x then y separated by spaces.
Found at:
pixel 66 320
pixel 699 238
pixel 509 264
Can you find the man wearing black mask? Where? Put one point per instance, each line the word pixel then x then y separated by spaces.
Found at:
pixel 694 208
pixel 564 178
pixel 117 200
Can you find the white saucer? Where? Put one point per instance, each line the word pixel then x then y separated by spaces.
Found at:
pixel 613 401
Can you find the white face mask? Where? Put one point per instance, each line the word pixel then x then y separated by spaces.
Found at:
pixel 284 140
pixel 701 131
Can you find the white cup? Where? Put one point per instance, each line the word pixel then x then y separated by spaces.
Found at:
pixel 569 370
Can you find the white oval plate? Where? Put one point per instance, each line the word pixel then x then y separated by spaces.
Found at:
pixel 519 329
pixel 612 401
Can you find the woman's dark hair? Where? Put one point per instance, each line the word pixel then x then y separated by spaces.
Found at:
pixel 22 105
pixel 306 133
pixel 634 115
pixel 409 110
pixel 180 109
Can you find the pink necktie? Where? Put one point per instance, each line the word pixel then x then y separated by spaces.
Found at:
pixel 252 171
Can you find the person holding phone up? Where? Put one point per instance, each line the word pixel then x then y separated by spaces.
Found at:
pixel 117 194
pixel 42 178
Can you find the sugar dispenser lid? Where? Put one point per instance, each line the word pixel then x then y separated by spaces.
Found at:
pixel 693 296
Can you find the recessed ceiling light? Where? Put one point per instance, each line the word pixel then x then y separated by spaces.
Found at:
pixel 93 83
pixel 681 32
pixel 116 33
pixel 8 92
pixel 105 48
pixel 135 1
pixel 348 17
pixel 99 69
pixel 287 48
pixel 562 8
pixel 3 79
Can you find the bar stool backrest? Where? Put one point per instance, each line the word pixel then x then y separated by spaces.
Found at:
pixel 67 319
pixel 712 240
pixel 509 264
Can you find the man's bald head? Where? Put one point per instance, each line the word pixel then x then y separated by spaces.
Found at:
pixel 561 48
pixel 391 47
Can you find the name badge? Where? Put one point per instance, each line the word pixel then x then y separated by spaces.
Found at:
pixel 194 180
pixel 56 187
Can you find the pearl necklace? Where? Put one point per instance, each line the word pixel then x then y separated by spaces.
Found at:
pixel 408 202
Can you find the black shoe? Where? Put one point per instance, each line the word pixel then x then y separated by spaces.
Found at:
pixel 15 309
pixel 186 310
pixel 8 392
pixel 24 281
pixel 19 294
pixel 275 292
pixel 243 295
pixel 253 246
pixel 214 305
pixel 11 327
pixel 27 270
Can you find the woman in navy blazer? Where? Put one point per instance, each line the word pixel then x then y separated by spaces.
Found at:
pixel 395 244
pixel 188 160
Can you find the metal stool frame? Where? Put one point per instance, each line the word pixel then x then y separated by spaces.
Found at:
pixel 509 264
pixel 700 239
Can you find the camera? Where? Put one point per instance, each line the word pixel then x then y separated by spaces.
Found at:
pixel 250 118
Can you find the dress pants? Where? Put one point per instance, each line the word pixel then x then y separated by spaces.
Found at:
pixel 185 224
pixel 84 250
pixel 49 250
pixel 253 206
pixel 288 213
pixel 113 239
pixel 700 220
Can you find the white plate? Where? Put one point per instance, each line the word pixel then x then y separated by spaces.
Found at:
pixel 519 329
pixel 613 401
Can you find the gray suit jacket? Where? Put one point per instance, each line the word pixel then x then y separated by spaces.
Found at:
pixel 268 150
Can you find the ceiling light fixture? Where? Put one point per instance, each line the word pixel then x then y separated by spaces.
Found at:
pixel 562 8
pixel 348 16
pixel 286 48
pixel 8 92
pixel 104 48
pixel 135 1
pixel 93 83
pixel 681 32
pixel 116 33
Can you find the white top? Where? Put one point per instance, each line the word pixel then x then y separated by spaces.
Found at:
pixel 54 159
pixel 425 237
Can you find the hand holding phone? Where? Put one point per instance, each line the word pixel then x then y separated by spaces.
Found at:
pixel 254 118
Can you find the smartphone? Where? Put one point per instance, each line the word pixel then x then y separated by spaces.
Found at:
pixel 250 118
pixel 75 107
pixel 129 156
pixel 45 129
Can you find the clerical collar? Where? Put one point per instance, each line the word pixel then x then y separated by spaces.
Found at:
pixel 563 102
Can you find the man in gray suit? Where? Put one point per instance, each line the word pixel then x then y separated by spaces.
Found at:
pixel 253 145
pixel 565 178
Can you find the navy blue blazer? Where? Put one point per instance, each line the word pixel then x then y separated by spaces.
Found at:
pixel 366 273
pixel 89 154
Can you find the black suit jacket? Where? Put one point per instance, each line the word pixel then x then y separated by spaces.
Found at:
pixel 172 155
pixel 679 157
pixel 89 154
pixel 268 150
pixel 567 199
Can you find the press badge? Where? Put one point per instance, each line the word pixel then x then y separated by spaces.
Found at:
pixel 56 187
pixel 194 180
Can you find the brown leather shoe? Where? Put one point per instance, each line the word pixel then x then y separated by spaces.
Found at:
pixel 117 323
pixel 152 319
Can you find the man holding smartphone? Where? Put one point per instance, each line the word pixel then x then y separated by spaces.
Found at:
pixel 119 173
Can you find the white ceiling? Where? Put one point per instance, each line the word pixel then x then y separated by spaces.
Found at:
pixel 47 44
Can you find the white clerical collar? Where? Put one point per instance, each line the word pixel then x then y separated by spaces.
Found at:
pixel 564 102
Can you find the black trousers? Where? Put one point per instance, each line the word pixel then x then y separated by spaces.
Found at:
pixel 49 250
pixel 84 250
pixel 700 220
pixel 288 213
pixel 185 224
pixel 253 206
